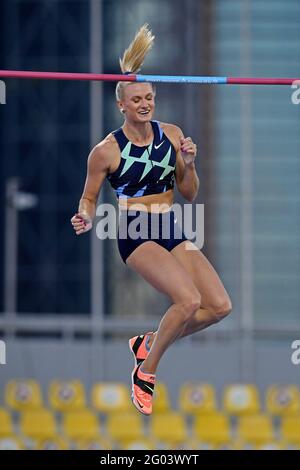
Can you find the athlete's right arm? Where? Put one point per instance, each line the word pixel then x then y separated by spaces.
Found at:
pixel 97 169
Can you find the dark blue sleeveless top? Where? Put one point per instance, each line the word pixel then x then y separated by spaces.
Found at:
pixel 144 170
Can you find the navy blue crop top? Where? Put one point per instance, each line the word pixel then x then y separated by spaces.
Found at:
pixel 144 170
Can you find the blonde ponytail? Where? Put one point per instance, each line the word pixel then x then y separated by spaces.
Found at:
pixel 134 55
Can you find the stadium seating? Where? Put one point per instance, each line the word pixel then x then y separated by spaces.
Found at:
pixel 283 400
pixel 169 427
pixel 125 428
pixel 213 429
pixel 290 429
pixel 108 397
pixel 199 422
pixel 37 424
pixel 256 429
pixel 80 424
pixel 241 399
pixel 21 395
pixel 67 395
pixel 6 424
pixel 161 399
pixel 196 397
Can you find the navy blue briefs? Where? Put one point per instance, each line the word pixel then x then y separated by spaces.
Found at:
pixel 137 227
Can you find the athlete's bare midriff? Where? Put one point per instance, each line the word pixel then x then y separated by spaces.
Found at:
pixel 161 202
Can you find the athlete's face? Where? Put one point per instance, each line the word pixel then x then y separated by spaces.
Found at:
pixel 138 102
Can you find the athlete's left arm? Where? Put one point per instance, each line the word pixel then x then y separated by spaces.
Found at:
pixel 186 177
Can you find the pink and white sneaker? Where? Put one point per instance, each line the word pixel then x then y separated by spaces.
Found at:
pixel 142 390
pixel 139 346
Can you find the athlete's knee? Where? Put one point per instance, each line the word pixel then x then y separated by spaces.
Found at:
pixel 191 305
pixel 221 307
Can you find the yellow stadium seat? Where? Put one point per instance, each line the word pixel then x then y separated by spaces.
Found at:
pixel 11 443
pixel 290 446
pixel 239 444
pixel 228 445
pixel 125 427
pixel 233 444
pixel 169 427
pixel 52 443
pixel 197 397
pixel 255 429
pixel 212 428
pixel 161 399
pixel 6 425
pixel 99 443
pixel 283 400
pixel 67 395
pixel 271 445
pixel 191 443
pixel 140 444
pixel 37 424
pixel 23 395
pixel 81 424
pixel 240 399
pixel 111 396
pixel 290 429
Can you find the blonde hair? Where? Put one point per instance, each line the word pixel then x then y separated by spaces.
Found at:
pixel 134 55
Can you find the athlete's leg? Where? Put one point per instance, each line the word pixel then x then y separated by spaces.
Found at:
pixel 164 272
pixel 215 302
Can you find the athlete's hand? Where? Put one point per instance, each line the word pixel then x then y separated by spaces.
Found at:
pixel 188 150
pixel 81 223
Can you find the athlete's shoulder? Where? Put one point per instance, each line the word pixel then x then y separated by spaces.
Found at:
pixel 102 154
pixel 173 132
pixel 170 127
pixel 108 144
